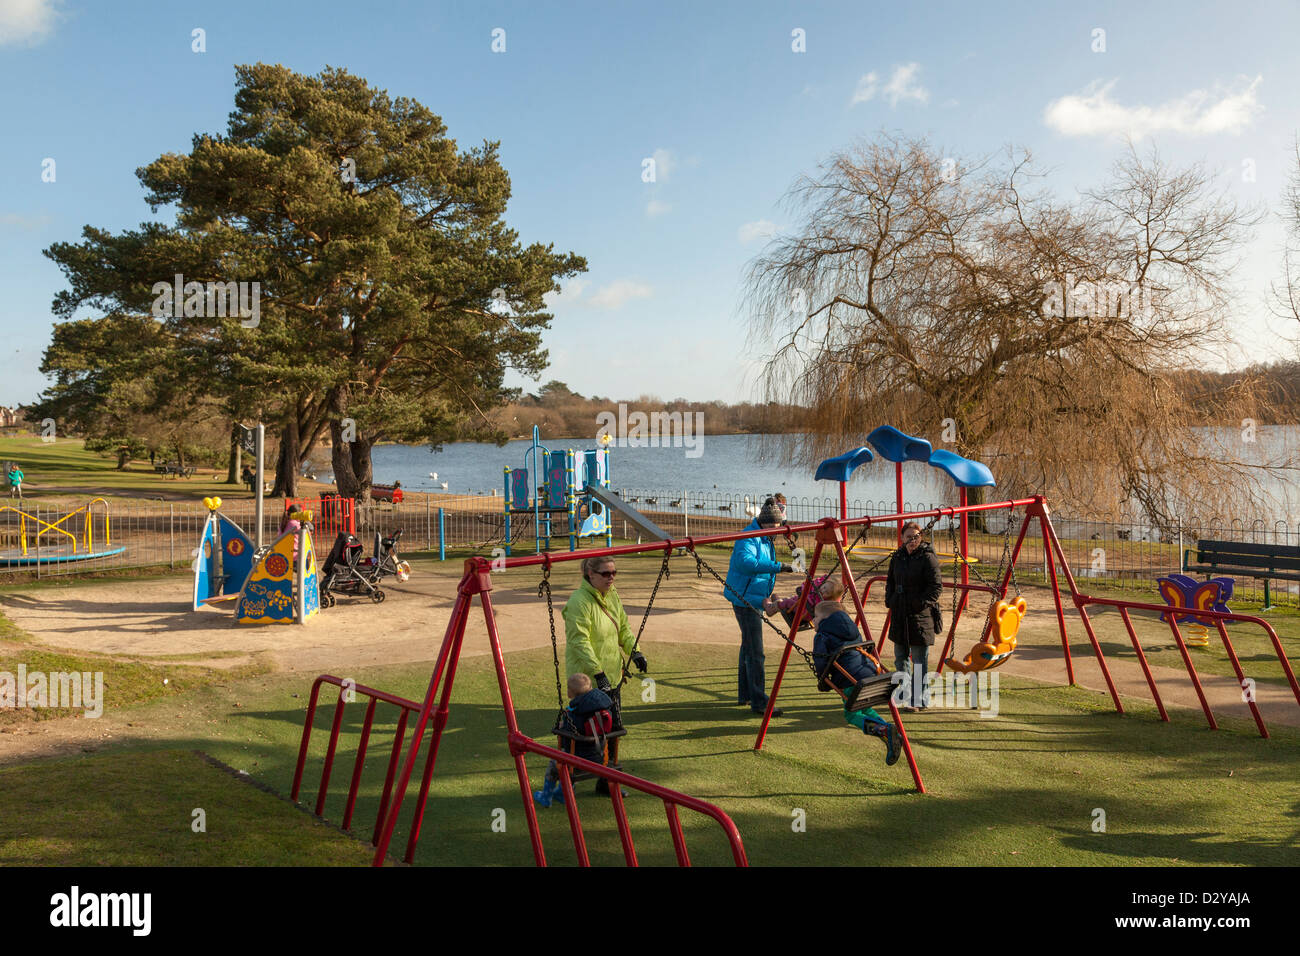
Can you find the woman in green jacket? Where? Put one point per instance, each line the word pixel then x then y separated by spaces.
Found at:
pixel 596 630
pixel 597 635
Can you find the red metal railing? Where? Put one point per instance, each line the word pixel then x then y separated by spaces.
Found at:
pixel 671 800
pixel 332 514
pixel 376 696
pixel 477 580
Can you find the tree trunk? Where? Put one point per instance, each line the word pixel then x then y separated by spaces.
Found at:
pixel 236 450
pixel 286 467
pixel 361 467
pixel 977 520
pixel 180 456
pixel 345 480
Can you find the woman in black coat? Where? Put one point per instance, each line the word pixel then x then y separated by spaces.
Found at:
pixel 912 595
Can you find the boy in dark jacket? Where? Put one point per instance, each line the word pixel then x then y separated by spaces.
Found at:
pixel 835 628
pixel 584 703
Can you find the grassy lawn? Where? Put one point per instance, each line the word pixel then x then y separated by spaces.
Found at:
pixel 138 809
pixel 64 468
pixel 126 681
pixel 1021 789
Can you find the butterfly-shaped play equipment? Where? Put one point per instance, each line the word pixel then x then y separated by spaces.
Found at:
pixel 1182 591
pixel 986 655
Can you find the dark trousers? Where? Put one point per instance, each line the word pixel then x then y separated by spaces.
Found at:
pixel 919 654
pixel 752 684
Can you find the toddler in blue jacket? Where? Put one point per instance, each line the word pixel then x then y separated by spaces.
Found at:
pixel 835 628
pixel 584 703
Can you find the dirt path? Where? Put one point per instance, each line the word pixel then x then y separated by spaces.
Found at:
pixel 143 619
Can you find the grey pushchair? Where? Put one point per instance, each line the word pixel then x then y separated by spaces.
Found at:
pixel 347 572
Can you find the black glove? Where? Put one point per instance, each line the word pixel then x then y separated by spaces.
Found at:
pixel 639 660
pixel 602 683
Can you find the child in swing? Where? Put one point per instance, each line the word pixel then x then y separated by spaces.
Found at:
pixel 787 606
pixel 835 628
pixel 585 702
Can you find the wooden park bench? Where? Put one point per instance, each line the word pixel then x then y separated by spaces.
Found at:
pixel 174 468
pixel 1269 562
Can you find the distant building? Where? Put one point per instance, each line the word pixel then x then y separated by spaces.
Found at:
pixel 9 417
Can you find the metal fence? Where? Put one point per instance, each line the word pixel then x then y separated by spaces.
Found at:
pixel 162 534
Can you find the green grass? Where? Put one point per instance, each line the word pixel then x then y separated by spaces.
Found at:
pixel 138 809
pixel 1018 790
pixel 126 682
pixel 54 469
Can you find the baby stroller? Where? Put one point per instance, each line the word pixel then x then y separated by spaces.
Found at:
pixel 386 560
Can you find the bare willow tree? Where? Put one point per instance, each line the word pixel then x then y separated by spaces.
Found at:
pixel 1287 297
pixel 968 304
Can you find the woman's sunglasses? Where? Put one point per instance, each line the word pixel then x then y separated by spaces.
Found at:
pixel 606 574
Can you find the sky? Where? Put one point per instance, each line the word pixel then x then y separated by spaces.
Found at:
pixel 733 102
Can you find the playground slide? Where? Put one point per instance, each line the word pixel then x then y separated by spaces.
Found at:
pixel 633 517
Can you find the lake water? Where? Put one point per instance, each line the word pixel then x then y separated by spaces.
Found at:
pixel 725 467
pixel 725 464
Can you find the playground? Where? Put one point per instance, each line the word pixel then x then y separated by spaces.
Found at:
pixel 1019 789
pixel 1097 728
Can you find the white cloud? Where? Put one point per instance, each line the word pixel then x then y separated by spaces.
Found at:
pixel 614 295
pixel 27 21
pixel 568 293
pixel 18 220
pixel 902 86
pixel 665 163
pixel 761 229
pixel 1198 113
pixel 617 294
pixel 866 89
pixel 656 208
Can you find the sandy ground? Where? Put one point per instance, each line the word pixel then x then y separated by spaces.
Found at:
pixel 143 619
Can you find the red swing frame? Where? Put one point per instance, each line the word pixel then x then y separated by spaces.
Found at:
pixel 1036 507
pixel 477 582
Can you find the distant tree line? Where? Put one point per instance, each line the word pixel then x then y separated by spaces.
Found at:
pixel 560 412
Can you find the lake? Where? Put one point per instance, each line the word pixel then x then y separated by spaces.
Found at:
pixel 731 466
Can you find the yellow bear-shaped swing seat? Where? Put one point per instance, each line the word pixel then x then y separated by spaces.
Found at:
pixel 994 652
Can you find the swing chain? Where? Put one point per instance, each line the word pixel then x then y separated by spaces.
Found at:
pixel 544 588
pixel 664 572
pixel 700 562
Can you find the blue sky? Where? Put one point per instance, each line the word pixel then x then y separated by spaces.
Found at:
pixel 584 92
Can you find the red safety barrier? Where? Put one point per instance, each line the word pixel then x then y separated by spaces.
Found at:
pixel 1035 508
pixel 478 580
pixel 332 514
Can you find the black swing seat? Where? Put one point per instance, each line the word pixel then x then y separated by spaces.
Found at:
pixel 869 692
pixel 602 728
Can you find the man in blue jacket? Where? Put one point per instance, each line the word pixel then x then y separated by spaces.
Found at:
pixel 751 578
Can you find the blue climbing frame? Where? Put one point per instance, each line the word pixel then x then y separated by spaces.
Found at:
pixel 567 476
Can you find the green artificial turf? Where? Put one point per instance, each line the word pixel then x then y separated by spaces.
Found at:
pixel 161 807
pixel 1023 788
